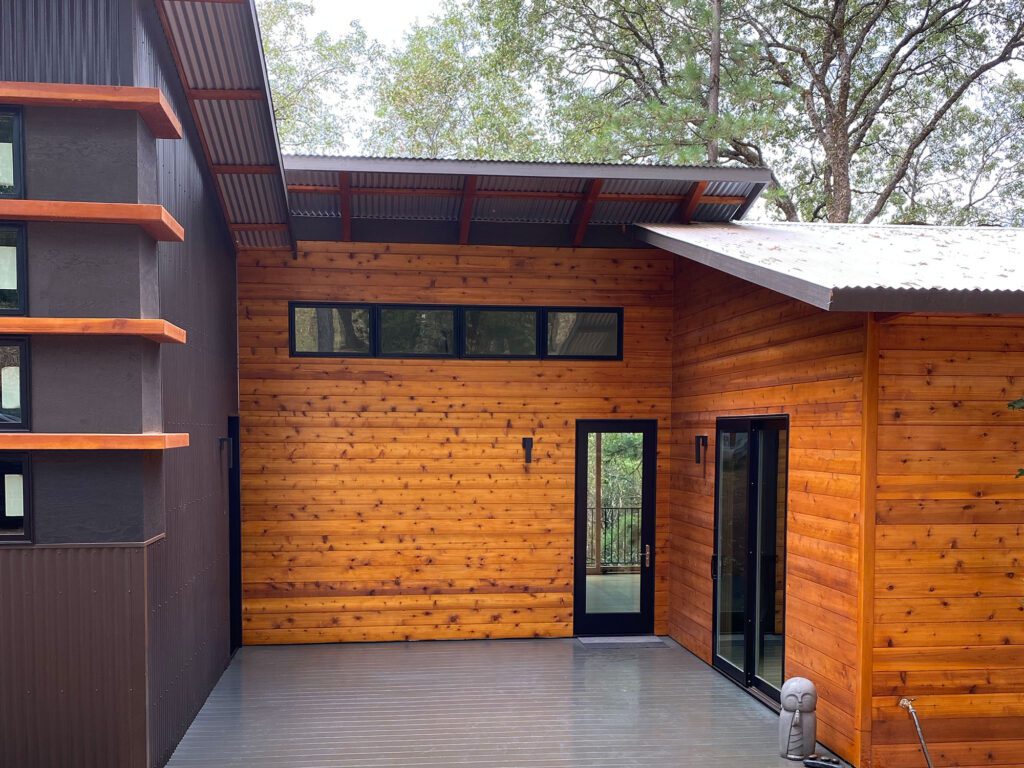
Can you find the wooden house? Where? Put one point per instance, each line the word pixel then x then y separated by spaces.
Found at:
pixel 256 400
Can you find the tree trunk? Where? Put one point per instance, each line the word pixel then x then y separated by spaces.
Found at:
pixel 715 81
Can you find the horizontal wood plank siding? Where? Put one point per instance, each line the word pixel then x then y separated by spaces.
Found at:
pixel 949 586
pixel 387 499
pixel 740 349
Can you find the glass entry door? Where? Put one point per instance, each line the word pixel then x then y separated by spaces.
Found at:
pixel 615 487
pixel 749 561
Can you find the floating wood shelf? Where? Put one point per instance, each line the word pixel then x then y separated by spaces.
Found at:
pixel 85 441
pixel 153 219
pixel 148 102
pixel 159 331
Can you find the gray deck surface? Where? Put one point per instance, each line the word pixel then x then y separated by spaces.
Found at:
pixel 534 703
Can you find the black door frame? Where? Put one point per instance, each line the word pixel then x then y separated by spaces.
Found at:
pixel 746 677
pixel 641 623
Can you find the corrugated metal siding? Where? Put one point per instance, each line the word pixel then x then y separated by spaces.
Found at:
pixel 73 623
pixel 188 570
pixel 91 37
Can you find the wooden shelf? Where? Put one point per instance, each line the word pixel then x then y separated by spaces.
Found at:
pixel 148 102
pixel 159 331
pixel 85 441
pixel 153 219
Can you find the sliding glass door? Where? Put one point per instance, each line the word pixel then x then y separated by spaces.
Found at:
pixel 749 562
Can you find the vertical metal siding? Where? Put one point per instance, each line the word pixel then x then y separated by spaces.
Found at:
pixel 74 655
pixel 90 36
pixel 188 621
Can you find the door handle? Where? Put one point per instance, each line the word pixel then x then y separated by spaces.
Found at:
pixel 647 555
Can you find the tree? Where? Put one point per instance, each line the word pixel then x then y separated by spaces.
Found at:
pixel 314 79
pixel 445 93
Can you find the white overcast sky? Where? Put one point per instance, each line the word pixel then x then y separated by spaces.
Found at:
pixel 384 20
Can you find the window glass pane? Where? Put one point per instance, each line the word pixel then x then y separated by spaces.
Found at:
pixel 9 298
pixel 417 331
pixel 583 334
pixel 332 330
pixel 500 332
pixel 12 498
pixel 10 385
pixel 7 150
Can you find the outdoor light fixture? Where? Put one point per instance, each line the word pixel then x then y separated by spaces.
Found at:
pixel 700 441
pixel 528 447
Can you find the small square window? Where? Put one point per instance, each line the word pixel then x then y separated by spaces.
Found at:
pixel 14 407
pixel 417 331
pixel 331 330
pixel 12 270
pixel 15 493
pixel 584 334
pixel 500 333
pixel 11 182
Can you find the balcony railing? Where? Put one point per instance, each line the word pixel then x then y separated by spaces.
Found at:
pixel 613 539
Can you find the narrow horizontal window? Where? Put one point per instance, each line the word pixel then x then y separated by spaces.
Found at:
pixel 584 334
pixel 417 331
pixel 13 384
pixel 500 333
pixel 12 270
pixel 11 184
pixel 15 492
pixel 326 330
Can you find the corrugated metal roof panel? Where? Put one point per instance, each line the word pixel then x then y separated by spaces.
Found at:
pixel 251 198
pixel 863 267
pixel 314 204
pixel 530 184
pixel 247 239
pixel 406 207
pixel 645 186
pixel 406 181
pixel 214 44
pixel 629 212
pixel 237 132
pixel 524 210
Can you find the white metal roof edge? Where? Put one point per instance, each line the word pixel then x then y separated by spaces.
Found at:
pixel 796 287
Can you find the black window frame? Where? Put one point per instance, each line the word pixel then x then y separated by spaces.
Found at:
pixel 540 323
pixel 25 367
pixel 26 535
pixel 378 325
pixel 21 265
pixel 18 153
pixel 619 326
pixel 371 328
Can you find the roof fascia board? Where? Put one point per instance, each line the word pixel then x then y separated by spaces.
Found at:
pixel 927 300
pixel 546 170
pixel 810 293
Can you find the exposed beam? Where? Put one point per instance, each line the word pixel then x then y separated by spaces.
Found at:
pixel 345 204
pixel 466 209
pixel 85 441
pixel 152 219
pixel 584 210
pixel 226 94
pixel 150 103
pixel 153 329
pixel 688 206
pixel 261 170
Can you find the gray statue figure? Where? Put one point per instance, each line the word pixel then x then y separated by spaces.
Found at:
pixel 797 721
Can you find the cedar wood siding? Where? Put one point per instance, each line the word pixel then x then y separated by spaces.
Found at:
pixel 949 583
pixel 387 499
pixel 741 349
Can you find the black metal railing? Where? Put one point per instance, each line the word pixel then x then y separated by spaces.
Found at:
pixel 613 543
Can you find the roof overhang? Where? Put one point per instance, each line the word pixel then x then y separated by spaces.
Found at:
pixel 854 268
pixel 505 203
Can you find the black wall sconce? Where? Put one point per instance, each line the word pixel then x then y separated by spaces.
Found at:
pixel 700 442
pixel 528 447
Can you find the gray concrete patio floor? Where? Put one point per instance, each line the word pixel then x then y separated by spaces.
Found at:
pixel 534 703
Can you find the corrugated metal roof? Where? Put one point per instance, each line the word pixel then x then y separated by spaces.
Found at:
pixel 219 56
pixel 870 268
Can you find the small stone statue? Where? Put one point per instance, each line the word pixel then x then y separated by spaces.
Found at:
pixel 797 721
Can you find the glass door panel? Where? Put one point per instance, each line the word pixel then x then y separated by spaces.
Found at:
pixel 748 566
pixel 733 523
pixel 614 527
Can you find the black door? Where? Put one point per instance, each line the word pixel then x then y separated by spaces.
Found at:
pixel 614 555
pixel 748 566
